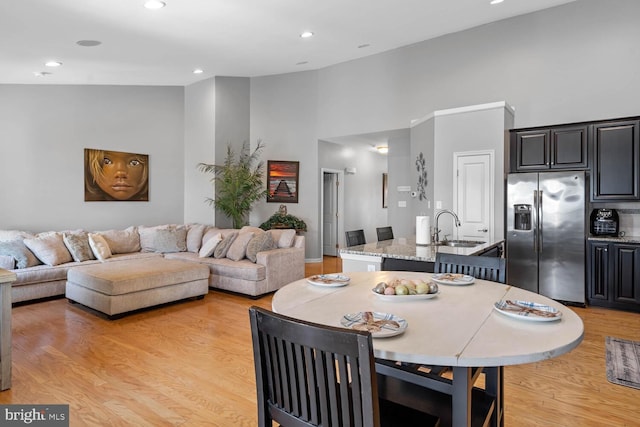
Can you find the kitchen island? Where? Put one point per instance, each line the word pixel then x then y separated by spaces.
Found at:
pixel 404 254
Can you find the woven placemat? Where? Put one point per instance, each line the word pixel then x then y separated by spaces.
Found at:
pixel 623 362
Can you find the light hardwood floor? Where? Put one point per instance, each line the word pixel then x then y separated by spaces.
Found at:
pixel 190 364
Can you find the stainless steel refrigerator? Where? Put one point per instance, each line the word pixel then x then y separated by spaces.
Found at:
pixel 545 234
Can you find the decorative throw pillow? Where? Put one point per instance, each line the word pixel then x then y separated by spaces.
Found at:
pixel 171 239
pixel 7 262
pixel 207 249
pixel 224 245
pixel 261 242
pixel 283 238
pixel 238 248
pixel 49 248
pixel 99 246
pixel 252 229
pixel 195 232
pixel 122 241
pixel 209 233
pixel 9 235
pixel 21 255
pixel 78 245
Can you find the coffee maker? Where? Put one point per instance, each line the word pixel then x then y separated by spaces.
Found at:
pixel 604 222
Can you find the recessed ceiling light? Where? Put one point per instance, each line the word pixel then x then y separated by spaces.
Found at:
pixel 495 1
pixel 306 34
pixel 53 63
pixel 88 43
pixel 198 71
pixel 382 149
pixel 154 4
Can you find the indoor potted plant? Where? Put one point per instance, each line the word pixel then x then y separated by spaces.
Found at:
pixel 238 182
pixel 282 219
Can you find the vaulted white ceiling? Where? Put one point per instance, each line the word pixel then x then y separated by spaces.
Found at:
pixel 222 37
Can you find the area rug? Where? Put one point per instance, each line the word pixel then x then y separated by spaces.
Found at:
pixel 623 362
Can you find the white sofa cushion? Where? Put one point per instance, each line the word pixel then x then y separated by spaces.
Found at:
pixel 238 248
pixel 49 248
pixel 99 246
pixel 283 238
pixel 122 241
pixel 18 252
pixel 207 249
pixel 259 243
pixel 78 245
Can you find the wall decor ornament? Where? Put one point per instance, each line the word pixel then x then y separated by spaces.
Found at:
pixel 282 181
pixel 421 166
pixel 115 176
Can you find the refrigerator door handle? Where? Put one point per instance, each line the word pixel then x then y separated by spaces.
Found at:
pixel 540 221
pixel 534 218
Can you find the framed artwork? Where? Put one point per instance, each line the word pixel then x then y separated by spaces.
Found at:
pixel 282 181
pixel 385 184
pixel 115 176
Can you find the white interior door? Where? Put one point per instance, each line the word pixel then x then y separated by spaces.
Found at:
pixel 330 214
pixel 474 194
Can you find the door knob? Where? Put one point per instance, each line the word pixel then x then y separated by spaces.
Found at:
pixel 484 230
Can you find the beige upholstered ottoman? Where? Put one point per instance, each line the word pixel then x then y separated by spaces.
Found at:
pixel 118 287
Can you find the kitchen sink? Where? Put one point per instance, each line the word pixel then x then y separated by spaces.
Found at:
pixel 460 243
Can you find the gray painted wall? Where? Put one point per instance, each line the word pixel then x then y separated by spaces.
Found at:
pixel 199 147
pixel 399 163
pixel 284 116
pixel 44 131
pixel 231 124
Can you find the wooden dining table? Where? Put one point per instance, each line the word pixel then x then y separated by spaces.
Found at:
pixel 459 327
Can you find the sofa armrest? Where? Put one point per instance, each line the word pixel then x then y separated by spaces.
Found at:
pixel 283 266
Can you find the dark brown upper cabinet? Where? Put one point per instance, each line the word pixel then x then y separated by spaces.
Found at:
pixel 561 147
pixel 616 165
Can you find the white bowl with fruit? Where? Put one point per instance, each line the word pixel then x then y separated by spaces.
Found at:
pixel 397 290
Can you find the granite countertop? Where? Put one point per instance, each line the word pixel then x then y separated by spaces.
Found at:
pixel 615 239
pixel 406 248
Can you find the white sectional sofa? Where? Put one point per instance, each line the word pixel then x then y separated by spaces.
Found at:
pixel 249 261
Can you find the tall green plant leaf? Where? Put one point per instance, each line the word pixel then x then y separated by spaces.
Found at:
pixel 238 182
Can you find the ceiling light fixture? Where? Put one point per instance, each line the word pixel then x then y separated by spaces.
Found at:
pixel 382 149
pixel 198 71
pixel 41 73
pixel 495 1
pixel 154 4
pixel 88 43
pixel 53 63
pixel 362 46
pixel 306 34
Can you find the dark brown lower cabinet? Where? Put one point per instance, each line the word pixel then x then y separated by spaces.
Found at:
pixel 614 275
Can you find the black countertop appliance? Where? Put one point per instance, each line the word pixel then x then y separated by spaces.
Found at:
pixel 604 222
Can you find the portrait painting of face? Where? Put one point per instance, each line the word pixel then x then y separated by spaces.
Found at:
pixel 115 175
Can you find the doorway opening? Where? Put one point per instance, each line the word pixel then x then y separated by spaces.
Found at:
pixel 331 204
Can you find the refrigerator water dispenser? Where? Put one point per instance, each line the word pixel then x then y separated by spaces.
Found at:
pixel 522 220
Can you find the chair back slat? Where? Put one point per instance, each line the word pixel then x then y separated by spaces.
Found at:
pixel 355 237
pixel 311 375
pixel 485 268
pixel 384 233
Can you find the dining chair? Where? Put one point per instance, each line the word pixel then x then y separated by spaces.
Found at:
pixel 309 374
pixel 384 233
pixel 485 268
pixel 355 237
pixel 480 267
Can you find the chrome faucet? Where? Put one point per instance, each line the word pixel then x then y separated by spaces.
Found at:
pixel 436 231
